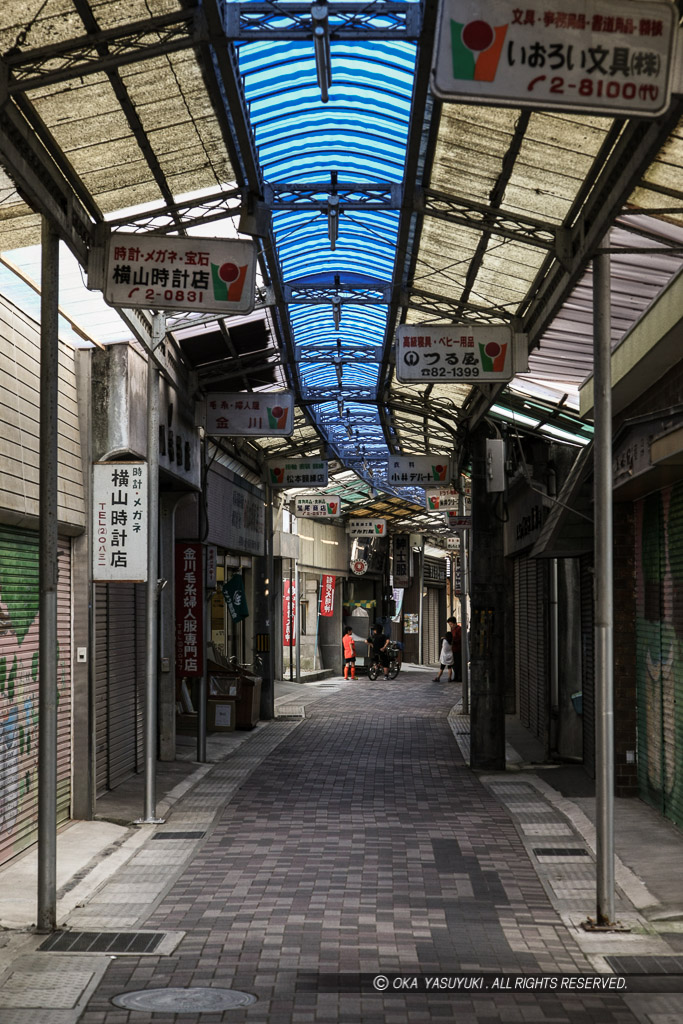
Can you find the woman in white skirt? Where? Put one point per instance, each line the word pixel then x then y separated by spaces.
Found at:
pixel 445 658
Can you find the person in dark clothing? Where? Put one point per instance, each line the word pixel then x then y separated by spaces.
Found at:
pixel 379 642
pixel 456 645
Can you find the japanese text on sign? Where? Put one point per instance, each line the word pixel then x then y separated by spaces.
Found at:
pixel 473 353
pixel 241 414
pixel 120 521
pixel 327 587
pixel 317 506
pixel 189 609
pixel 605 56
pixel 297 473
pixel 288 613
pixel 367 527
pixel 442 500
pixel 162 272
pixel 419 471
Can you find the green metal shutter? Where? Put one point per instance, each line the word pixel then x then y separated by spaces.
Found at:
pixel 531 655
pixel 19 699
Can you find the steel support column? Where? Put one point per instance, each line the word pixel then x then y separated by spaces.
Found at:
pixel 48 571
pixel 604 600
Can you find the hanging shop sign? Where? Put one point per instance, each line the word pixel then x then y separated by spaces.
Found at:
pixel 592 56
pixel 442 500
pixel 402 560
pixel 451 543
pixel 206 275
pixel 288 613
pixel 120 512
pixel 236 598
pixel 189 609
pixel 471 353
pixel 296 472
pixel 419 471
pixel 458 522
pixel 327 587
pixel 367 528
pixel 317 506
pixel 359 566
pixel 211 563
pixel 250 413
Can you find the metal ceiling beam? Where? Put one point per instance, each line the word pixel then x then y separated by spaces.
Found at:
pixel 375 20
pixel 351 195
pixel 453 310
pixel 215 206
pixel 324 295
pixel 479 216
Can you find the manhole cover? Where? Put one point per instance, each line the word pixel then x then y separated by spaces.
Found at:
pixel 176 1000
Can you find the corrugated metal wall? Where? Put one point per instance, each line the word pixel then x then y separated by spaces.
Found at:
pixel 659 574
pixel 120 682
pixel 531 653
pixel 19 701
pixel 433 626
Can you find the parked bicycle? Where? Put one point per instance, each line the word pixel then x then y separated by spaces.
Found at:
pixel 393 653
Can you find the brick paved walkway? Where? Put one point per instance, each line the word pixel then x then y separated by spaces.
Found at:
pixel 361 843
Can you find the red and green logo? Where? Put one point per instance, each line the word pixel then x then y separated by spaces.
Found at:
pixel 433 503
pixel 277 417
pixel 439 472
pixel 228 281
pixel 476 49
pixel 332 507
pixel 492 356
pixel 277 474
pixel 379 528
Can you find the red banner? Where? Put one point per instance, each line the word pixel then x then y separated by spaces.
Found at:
pixel 327 586
pixel 288 612
pixel 189 609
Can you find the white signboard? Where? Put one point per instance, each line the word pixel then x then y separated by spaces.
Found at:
pixel 600 56
pixel 297 473
pixel 367 527
pixel 120 499
pixel 443 500
pixel 255 413
pixel 451 543
pixel 458 522
pixel 206 275
pixel 419 471
pixel 317 506
pixel 464 353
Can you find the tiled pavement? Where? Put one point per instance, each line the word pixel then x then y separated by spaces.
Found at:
pixel 354 841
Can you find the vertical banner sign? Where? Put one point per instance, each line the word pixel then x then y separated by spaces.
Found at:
pixel 211 562
pixel 120 521
pixel 327 595
pixel 288 610
pixel 189 609
pixel 403 560
pixel 236 598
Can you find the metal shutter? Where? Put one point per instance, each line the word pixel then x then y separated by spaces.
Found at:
pixel 19 699
pixel 432 647
pixel 531 655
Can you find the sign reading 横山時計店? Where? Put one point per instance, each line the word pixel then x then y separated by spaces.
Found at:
pixel 464 353
pixel 120 505
pixel 250 413
pixel 297 472
pixel 592 56
pixel 207 275
pixel 419 471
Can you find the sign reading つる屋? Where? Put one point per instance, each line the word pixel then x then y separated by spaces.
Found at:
pixel 600 56
pixel 317 506
pixel 419 471
pixel 120 521
pixel 250 413
pixel 470 353
pixel 367 527
pixel 207 275
pixel 297 472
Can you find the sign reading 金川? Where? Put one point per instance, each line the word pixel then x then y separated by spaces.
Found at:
pixel 474 352
pixel 443 500
pixel 599 56
pixel 207 275
pixel 120 521
pixel 250 413
pixel 297 473
pixel 189 609
pixel 419 471
pixel 317 506
pixel 367 527
pixel 327 587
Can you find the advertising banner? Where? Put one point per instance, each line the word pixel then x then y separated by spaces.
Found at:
pixel 327 587
pixel 250 413
pixel 288 613
pixel 297 473
pixel 590 56
pixel 403 560
pixel 120 521
pixel 207 275
pixel 419 471
pixel 189 609
pixel 465 354
pixel 317 506
pixel 236 598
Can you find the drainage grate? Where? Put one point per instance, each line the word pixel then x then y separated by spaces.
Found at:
pixel 179 835
pixel 559 851
pixel 645 964
pixel 177 1000
pixel 102 942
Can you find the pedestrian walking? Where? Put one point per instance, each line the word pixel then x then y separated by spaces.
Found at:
pixel 445 658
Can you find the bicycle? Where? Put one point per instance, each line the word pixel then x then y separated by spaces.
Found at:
pixel 394 664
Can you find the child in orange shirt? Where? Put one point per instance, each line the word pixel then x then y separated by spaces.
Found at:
pixel 349 645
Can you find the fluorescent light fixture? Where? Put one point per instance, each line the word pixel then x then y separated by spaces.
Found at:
pixel 564 435
pixel 514 416
pixel 321 46
pixel 333 220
